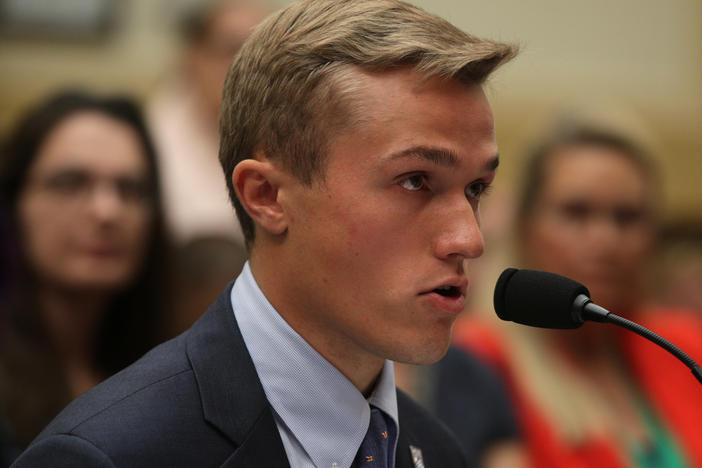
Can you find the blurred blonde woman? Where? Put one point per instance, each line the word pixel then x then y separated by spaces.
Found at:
pixel 598 396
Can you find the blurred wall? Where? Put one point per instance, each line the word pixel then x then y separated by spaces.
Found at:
pixel 637 62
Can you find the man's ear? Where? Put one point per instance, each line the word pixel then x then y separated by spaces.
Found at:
pixel 256 184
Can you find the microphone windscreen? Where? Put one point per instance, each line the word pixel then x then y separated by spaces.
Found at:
pixel 538 298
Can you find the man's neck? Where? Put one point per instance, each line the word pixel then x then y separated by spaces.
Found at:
pixel 360 368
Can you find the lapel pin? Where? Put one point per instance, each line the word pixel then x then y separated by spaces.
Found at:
pixel 417 458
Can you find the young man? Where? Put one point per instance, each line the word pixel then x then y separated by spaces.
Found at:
pixel 356 143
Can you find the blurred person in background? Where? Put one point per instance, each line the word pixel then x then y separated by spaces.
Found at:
pixel 599 396
pixel 85 249
pixel 183 116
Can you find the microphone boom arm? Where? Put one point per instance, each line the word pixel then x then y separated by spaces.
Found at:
pixel 585 309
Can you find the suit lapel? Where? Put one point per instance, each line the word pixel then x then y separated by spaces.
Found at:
pixel 263 446
pixel 402 456
pixel 232 396
pixel 409 452
pixel 407 441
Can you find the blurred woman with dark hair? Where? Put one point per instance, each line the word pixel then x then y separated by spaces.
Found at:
pixel 85 267
pixel 599 396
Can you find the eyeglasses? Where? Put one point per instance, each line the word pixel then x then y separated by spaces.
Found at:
pixel 75 185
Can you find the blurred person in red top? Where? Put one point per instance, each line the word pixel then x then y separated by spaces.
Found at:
pixel 85 254
pixel 598 396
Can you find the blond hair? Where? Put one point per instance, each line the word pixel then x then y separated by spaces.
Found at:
pixel 284 96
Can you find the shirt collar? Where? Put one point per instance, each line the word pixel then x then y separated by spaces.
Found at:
pixel 321 407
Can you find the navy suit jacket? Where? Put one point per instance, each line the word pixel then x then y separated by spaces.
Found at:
pixel 196 401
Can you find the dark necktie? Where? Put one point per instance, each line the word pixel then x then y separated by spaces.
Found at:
pixel 375 448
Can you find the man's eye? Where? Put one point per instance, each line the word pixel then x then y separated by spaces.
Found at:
pixel 477 189
pixel 414 183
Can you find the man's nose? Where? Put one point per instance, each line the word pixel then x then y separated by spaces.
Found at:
pixel 459 233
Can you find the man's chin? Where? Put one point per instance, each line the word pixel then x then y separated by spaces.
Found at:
pixel 424 356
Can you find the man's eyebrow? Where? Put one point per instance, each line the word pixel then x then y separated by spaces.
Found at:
pixel 439 156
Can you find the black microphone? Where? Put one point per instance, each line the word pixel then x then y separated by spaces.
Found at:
pixel 547 300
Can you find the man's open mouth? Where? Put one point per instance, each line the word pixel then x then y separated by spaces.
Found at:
pixel 448 291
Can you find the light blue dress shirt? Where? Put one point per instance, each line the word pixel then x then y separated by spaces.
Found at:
pixel 321 415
